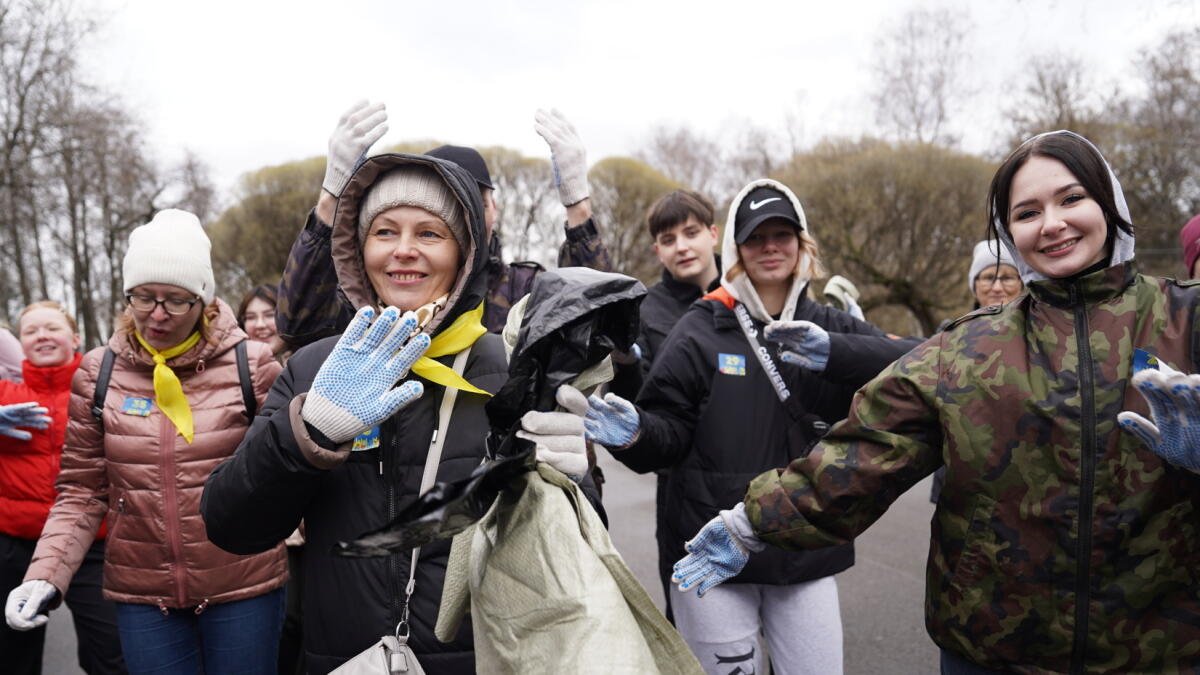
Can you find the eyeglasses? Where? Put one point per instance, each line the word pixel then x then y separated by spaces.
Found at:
pixel 146 304
pixel 986 280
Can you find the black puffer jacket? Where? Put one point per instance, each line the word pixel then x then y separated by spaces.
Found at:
pixel 280 475
pixel 714 419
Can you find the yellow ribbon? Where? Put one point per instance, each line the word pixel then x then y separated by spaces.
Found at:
pixel 463 333
pixel 168 392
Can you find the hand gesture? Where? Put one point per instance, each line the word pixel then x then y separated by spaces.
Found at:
pixel 30 415
pixel 357 130
pixel 718 551
pixel 805 343
pixel 612 421
pixel 567 155
pixel 1174 400
pixel 353 390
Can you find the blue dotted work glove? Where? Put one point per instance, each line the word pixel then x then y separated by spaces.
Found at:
pixel 1174 400
pixel 353 390
pixel 611 421
pixel 718 551
pixel 30 415
pixel 567 154
pixel 805 343
pixel 356 131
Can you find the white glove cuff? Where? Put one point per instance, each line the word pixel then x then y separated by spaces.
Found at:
pixel 573 190
pixel 335 423
pixel 739 526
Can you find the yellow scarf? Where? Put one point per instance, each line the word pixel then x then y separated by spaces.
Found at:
pixel 168 392
pixel 463 333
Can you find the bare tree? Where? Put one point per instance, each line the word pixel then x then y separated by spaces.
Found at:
pixel 918 67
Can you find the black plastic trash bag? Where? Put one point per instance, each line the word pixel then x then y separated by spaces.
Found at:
pixel 574 318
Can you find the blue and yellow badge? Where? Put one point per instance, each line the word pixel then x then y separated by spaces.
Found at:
pixel 137 406
pixel 1142 360
pixel 731 364
pixel 366 440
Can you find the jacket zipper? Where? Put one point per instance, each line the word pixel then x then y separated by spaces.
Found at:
pixel 170 506
pixel 1087 483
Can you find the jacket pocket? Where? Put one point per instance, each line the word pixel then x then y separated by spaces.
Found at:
pixel 978 557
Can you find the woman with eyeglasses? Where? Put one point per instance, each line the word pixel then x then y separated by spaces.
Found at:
pixel 138 453
pixel 993 278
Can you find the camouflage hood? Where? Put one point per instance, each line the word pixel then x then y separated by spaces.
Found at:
pixel 739 285
pixel 471 286
pixel 1122 250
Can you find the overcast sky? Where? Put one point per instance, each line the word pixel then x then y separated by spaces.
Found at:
pixel 248 83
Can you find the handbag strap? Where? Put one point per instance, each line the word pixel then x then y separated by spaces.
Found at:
pixel 790 403
pixel 432 459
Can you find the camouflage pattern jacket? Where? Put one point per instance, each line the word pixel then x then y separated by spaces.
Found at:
pixel 1058 543
pixel 310 306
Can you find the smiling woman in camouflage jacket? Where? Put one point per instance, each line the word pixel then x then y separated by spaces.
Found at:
pixel 1059 543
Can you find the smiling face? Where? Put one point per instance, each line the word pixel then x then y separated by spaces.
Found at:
pixel 686 250
pixel 771 254
pixel 259 319
pixel 161 329
pixel 1058 228
pixel 410 256
pixel 997 285
pixel 47 337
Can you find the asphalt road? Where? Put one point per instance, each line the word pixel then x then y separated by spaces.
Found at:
pixel 882 596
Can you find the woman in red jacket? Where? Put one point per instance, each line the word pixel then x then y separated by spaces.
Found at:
pixel 29 460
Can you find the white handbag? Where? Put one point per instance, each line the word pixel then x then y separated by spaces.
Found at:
pixel 391 655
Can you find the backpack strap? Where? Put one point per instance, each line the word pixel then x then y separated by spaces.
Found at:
pixel 243 367
pixel 102 378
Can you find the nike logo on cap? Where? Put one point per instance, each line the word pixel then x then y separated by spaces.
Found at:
pixel 754 206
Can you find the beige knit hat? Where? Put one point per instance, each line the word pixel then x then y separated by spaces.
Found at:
pixel 418 186
pixel 170 249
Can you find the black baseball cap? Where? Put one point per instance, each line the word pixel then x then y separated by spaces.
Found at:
pixel 762 204
pixel 467 158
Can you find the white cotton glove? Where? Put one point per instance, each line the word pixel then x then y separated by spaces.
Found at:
pixel 1174 400
pixel 558 436
pixel 567 154
pixel 612 421
pixel 353 391
pixel 25 605
pixel 718 551
pixel 357 130
pixel 805 343
pixel 844 294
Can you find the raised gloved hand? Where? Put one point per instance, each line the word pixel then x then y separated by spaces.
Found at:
pixel 558 436
pixel 357 130
pixel 353 389
pixel 805 343
pixel 567 155
pixel 718 551
pixel 30 415
pixel 1174 400
pixel 26 607
pixel 612 421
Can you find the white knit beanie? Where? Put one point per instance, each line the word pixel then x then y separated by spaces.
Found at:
pixel 986 256
pixel 170 249
pixel 417 186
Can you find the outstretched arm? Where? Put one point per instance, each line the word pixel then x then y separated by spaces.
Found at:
pixel 582 247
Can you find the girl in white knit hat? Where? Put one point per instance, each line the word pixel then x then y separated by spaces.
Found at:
pixel 151 415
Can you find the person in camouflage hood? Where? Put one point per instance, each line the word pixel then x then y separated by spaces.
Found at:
pixel 1058 543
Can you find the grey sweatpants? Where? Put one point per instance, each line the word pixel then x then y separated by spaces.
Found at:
pixel 802 624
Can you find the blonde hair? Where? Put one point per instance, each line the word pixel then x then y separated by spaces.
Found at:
pixel 808 265
pixel 48 304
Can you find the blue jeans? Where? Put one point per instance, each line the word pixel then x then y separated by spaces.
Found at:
pixel 232 637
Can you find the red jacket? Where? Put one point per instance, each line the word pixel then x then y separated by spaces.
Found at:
pixel 28 468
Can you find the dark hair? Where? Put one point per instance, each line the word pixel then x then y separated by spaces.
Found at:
pixel 265 292
pixel 1080 157
pixel 674 208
